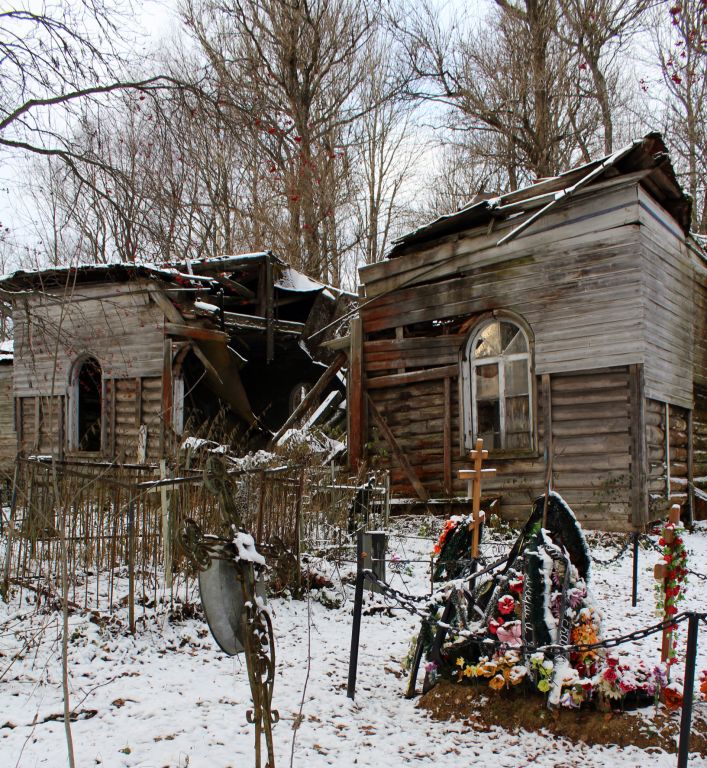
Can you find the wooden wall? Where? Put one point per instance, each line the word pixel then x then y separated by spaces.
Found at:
pixel 8 436
pixel 116 323
pixel 669 312
pixel 606 287
pixel 120 326
pixel 574 277
pixel 668 459
pixel 590 440
pixel 699 449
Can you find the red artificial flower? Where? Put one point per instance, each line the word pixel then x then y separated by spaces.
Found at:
pixel 494 625
pixel 506 605
pixel 610 674
pixel 516 585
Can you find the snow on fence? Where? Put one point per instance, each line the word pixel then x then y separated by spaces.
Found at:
pixel 123 522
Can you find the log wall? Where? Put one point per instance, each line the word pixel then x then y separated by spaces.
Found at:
pixel 8 436
pixel 667 457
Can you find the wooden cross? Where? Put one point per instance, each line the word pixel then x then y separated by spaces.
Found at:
pixel 660 571
pixel 474 476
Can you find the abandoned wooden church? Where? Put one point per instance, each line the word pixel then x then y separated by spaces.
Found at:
pixel 563 323
pixel 116 362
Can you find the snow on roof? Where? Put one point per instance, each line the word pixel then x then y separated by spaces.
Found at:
pixel 292 280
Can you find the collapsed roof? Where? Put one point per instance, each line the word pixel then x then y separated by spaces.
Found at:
pixel 254 322
pixel 646 157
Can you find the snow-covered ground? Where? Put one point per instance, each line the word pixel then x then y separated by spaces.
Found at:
pixel 169 697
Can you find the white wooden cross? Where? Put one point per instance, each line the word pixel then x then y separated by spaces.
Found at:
pixel 474 476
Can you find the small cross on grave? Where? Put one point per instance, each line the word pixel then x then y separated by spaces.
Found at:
pixel 474 476
pixel 660 571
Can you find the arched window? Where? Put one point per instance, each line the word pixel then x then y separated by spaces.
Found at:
pixel 86 405
pixel 497 386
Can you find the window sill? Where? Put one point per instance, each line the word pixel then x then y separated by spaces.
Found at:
pixel 501 455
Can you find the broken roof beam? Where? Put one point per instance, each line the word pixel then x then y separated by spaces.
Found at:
pixel 257 323
pixel 311 398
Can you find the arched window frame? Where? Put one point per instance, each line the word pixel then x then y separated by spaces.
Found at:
pixel 73 404
pixel 467 384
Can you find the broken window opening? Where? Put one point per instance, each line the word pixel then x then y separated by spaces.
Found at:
pixel 87 388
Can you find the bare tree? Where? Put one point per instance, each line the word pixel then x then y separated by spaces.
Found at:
pixel 682 54
pixel 388 148
pixel 286 78
pixel 509 84
pixel 598 31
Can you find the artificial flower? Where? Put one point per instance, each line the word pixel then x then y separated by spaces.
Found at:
pixel 506 605
pixel 517 674
pixel 510 633
pixel 672 696
pixel 497 682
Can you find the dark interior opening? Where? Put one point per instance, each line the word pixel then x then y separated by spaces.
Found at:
pixel 89 406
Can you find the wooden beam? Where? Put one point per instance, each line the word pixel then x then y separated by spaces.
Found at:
pixel 205 362
pixel 397 450
pixel 639 468
pixel 690 468
pixel 447 437
pixel 171 313
pixel 400 379
pixel 310 400
pixel 166 402
pixel 355 396
pixel 547 428
pixel 194 332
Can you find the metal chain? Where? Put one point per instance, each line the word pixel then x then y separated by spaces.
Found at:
pixel 645 537
pixel 406 601
pixel 616 557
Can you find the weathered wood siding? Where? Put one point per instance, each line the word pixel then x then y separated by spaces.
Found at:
pixel 699 444
pixel 115 323
pixel 575 277
pixel 607 287
pixel 591 425
pixel 8 436
pixel 669 312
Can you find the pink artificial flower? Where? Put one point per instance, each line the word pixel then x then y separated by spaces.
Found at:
pixel 509 633
pixel 506 605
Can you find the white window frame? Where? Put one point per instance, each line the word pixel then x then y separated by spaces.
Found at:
pixel 468 381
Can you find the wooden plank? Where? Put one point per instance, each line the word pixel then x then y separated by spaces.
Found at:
pixel 549 452
pixel 166 402
pixel 403 379
pixel 639 469
pixel 690 467
pixel 396 450
pixel 447 436
pixel 356 396
pixel 195 332
pixel 311 399
pixel 138 402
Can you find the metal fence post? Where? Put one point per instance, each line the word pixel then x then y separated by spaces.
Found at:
pixel 688 687
pixel 634 592
pixel 358 609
